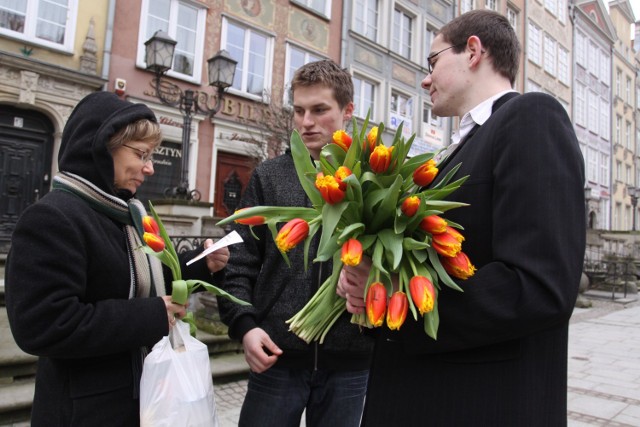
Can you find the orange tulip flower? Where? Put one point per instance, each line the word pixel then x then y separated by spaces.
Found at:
pixel 410 205
pixel 252 220
pixel 341 138
pixel 422 293
pixel 293 232
pixel 372 138
pixel 458 266
pixel 455 233
pixel 329 188
pixel 150 225
pixel 397 311
pixel 340 175
pixel 446 244
pixel 376 303
pixel 433 224
pixel 425 173
pixel 154 241
pixel 380 158
pixel 351 252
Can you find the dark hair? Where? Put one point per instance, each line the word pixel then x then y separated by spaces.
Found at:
pixel 496 34
pixel 326 73
pixel 141 130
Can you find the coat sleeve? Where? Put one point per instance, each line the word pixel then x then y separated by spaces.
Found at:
pixel 58 306
pixel 525 226
pixel 244 266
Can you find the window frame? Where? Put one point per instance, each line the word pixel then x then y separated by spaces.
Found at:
pixel 288 73
pixel 31 26
pixel 402 33
pixel 268 67
pixel 198 53
pixel 365 19
pixel 308 4
pixel 375 85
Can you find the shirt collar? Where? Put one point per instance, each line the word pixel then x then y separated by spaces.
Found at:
pixel 476 116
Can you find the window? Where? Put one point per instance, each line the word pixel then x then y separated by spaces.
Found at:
pixel 549 55
pixel 592 165
pixel 428 118
pixel 617 136
pixel 605 121
pixel 592 58
pixel 533 86
pixel 627 135
pixel 365 13
pixel 429 35
pixel 581 47
pixel 323 7
pixel 184 23
pixel 491 4
pixel 551 6
pixel 563 65
pixel 363 97
pixel 605 68
pixel 467 5
pixel 402 33
pixel 618 170
pixel 628 92
pixel 593 106
pixel 618 82
pixel 252 50
pixel 512 17
pixel 604 169
pixel 43 22
pixel 401 111
pixel 581 105
pixel 562 11
pixel 296 58
pixel 534 44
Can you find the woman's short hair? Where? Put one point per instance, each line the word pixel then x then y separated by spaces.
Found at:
pixel 143 130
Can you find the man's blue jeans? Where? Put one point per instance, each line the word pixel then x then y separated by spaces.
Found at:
pixel 278 396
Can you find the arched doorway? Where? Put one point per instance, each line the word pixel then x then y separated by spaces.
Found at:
pixel 26 147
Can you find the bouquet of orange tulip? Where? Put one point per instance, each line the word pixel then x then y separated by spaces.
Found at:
pixel 160 246
pixel 369 198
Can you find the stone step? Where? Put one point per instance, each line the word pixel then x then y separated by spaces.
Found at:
pixel 16 398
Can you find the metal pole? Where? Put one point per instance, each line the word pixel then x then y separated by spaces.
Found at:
pixel 187 106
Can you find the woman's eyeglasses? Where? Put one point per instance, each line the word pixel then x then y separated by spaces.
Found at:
pixel 145 156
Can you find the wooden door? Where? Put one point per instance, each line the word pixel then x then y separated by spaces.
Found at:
pixel 232 177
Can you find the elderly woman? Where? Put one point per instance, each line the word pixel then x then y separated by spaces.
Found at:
pixel 80 293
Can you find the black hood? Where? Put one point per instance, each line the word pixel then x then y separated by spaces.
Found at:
pixel 92 123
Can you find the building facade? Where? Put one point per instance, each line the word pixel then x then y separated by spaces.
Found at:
pixel 593 42
pixel 52 54
pixel 624 152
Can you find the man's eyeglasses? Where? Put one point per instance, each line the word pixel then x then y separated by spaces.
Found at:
pixel 145 156
pixel 430 58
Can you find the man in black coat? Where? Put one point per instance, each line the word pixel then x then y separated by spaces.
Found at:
pixel 501 354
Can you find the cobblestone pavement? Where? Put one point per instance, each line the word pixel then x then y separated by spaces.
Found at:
pixel 604 369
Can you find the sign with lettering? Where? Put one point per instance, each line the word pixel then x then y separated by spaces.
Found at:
pixel 166 165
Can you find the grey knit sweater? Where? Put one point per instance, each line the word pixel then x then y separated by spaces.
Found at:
pixel 257 273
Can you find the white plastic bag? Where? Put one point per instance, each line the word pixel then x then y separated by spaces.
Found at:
pixel 176 388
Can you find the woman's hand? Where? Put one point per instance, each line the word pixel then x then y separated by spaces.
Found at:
pixel 217 260
pixel 174 310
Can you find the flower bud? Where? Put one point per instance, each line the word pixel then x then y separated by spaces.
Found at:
pixel 397 311
pixel 150 225
pixel 425 173
pixel 372 138
pixel 422 293
pixel 446 244
pixel 351 252
pixel 410 205
pixel 329 188
pixel 154 241
pixel 252 220
pixel 433 224
pixel 342 173
pixel 341 138
pixel 458 266
pixel 292 233
pixel 376 303
pixel 380 158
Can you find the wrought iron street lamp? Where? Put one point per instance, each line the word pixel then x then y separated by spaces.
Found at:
pixel 221 70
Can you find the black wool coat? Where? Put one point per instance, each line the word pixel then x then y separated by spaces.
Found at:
pixel 501 354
